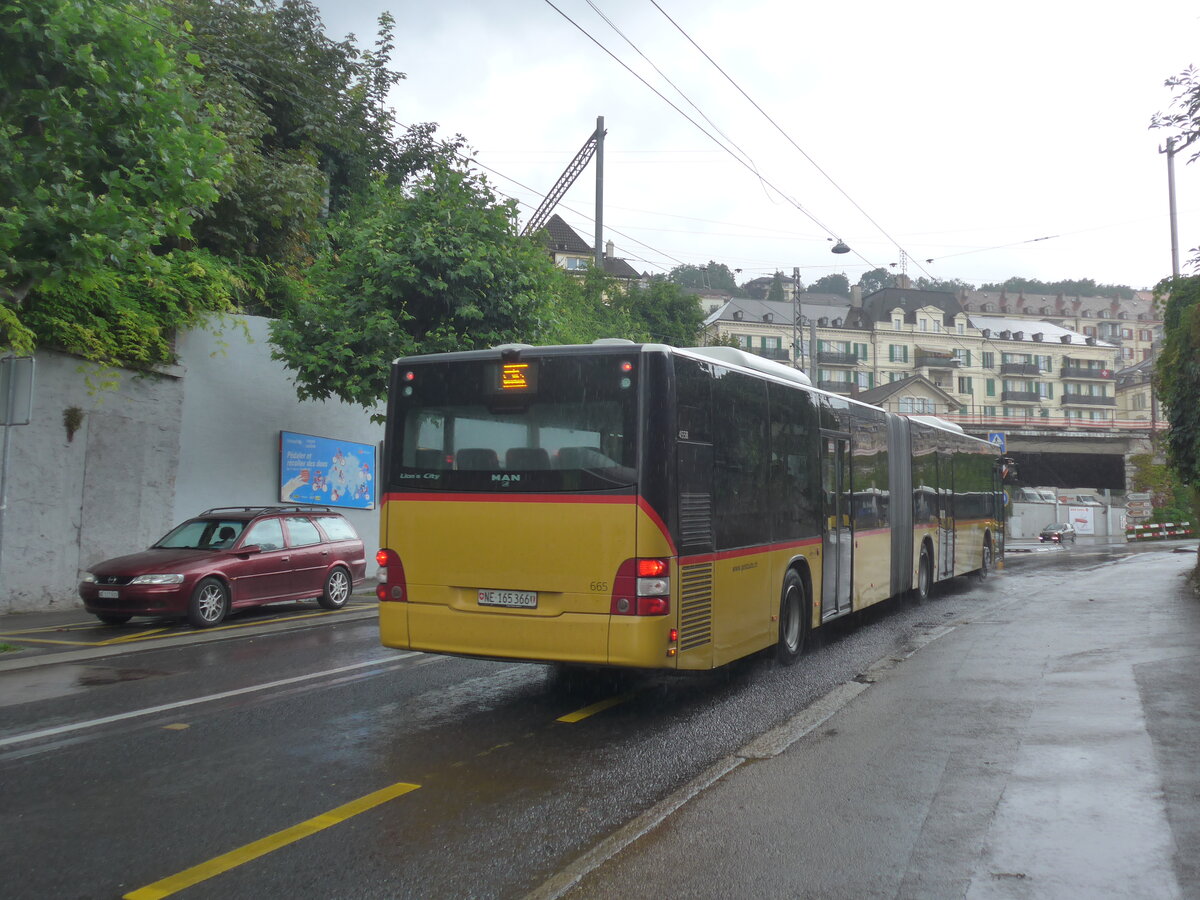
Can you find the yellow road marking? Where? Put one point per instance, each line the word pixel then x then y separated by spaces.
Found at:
pixel 581 714
pixel 157 633
pixel 177 726
pixel 270 843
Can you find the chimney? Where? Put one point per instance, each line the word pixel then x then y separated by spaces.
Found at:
pixel 856 296
pixel 608 250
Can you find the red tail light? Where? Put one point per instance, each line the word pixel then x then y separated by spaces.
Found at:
pixel 642 587
pixel 392 585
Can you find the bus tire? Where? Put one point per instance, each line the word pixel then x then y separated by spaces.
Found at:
pixel 924 575
pixel 985 562
pixel 793 619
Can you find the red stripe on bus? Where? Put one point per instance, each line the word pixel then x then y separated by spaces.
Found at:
pixel 747 551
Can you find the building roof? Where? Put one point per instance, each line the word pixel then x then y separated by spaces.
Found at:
pixel 877 395
pixel 618 268
pixel 1139 308
pixel 564 239
pixel 877 307
pixel 811 306
pixel 1051 333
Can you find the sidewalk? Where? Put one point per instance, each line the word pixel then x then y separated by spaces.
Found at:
pixel 1046 749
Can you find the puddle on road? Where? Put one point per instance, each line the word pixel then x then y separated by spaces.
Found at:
pixel 48 682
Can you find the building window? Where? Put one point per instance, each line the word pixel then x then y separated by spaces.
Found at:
pixel 990 387
pixel 576 263
pixel 989 410
pixel 963 357
pixel 860 350
pixel 897 324
pixel 989 359
pixel 898 353
pixel 1089 330
pixel 964 386
pixel 1143 334
pixel 772 343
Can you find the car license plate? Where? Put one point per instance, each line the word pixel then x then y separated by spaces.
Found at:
pixel 517 599
pixel 109 595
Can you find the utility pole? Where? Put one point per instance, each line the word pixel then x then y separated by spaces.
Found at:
pixel 600 194
pixel 1170 151
pixel 797 354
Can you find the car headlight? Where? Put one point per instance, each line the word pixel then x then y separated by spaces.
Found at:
pixel 88 577
pixel 158 579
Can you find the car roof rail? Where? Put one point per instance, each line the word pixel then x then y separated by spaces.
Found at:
pixel 268 510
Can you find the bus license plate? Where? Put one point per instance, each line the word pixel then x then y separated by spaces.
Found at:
pixel 109 595
pixel 518 599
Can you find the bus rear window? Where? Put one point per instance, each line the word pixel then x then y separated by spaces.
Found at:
pixel 575 431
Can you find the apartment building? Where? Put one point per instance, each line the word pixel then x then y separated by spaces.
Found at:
pixel 946 359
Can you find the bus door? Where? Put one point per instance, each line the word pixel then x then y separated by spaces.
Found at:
pixel 945 464
pixel 838 543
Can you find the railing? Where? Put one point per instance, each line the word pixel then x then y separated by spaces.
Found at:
pixel 1008 424
pixel 1020 397
pixel 837 387
pixel 1077 372
pixel 1020 369
pixel 835 358
pixel 1071 399
pixel 927 361
pixel 779 353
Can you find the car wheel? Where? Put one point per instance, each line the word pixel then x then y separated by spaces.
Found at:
pixel 793 621
pixel 112 618
pixel 337 589
pixel 924 576
pixel 209 603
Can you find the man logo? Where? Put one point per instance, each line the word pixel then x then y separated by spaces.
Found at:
pixel 506 479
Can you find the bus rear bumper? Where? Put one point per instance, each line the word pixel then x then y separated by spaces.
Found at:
pixel 584 638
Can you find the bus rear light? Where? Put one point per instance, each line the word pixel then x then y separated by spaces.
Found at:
pixel 642 587
pixel 392 584
pixel 673 635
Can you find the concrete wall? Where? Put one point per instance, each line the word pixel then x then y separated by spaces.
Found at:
pixel 155 450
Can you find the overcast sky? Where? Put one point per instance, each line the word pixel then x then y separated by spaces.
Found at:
pixel 959 131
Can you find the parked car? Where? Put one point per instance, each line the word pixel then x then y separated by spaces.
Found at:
pixel 231 558
pixel 1059 533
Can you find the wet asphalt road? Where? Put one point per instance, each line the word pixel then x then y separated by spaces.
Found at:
pixel 162 760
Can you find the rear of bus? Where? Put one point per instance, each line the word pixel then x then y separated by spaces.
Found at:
pixel 513 522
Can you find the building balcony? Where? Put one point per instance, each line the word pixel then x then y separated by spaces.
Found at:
pixel 1076 373
pixel 779 353
pixel 837 387
pixel 935 361
pixel 1020 397
pixel 1020 369
pixel 836 358
pixel 1069 399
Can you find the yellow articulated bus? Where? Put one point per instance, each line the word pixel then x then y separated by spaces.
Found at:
pixel 642 505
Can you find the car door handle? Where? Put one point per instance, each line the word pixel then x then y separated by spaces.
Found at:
pixel 285 559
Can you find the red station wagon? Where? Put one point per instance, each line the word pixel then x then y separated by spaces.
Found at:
pixel 231 558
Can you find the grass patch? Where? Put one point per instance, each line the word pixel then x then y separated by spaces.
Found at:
pixel 5 648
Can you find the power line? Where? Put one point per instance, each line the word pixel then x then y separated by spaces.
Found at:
pixel 778 128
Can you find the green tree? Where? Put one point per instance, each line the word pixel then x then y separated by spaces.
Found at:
pixel 950 285
pixel 1177 373
pixel 432 267
pixel 875 280
pixel 1077 287
pixel 664 313
pixel 105 157
pixel 776 291
pixel 714 276
pixel 831 284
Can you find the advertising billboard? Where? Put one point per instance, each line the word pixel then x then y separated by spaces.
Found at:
pixel 326 471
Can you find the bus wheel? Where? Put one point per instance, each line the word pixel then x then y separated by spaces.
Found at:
pixel 793 622
pixel 924 575
pixel 985 565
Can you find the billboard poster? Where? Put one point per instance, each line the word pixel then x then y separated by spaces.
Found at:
pixel 326 471
pixel 1082 517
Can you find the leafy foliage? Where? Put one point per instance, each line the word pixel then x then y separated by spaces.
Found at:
pixel 105 157
pixel 665 313
pixel 875 280
pixel 776 290
pixel 1171 499
pixel 1177 373
pixel 831 284
pixel 713 276
pixel 435 267
pixel 1184 120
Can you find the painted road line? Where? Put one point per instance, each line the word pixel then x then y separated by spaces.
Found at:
pixel 580 714
pixel 165 707
pixel 269 844
pixel 156 634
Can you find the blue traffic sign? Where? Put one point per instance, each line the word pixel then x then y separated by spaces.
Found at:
pixel 997 438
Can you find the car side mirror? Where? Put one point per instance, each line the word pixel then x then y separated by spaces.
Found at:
pixel 249 548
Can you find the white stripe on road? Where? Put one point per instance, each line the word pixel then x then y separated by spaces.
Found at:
pixel 165 707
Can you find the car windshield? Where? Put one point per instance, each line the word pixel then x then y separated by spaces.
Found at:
pixel 202 534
